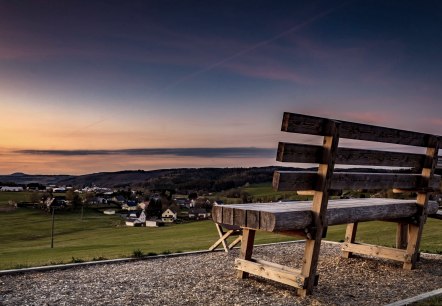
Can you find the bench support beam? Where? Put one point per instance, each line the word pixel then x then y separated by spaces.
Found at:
pixel 319 206
pixel 246 251
pixel 350 237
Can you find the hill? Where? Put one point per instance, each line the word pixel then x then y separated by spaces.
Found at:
pixel 209 179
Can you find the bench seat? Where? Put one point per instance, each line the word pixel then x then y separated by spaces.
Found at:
pixel 286 216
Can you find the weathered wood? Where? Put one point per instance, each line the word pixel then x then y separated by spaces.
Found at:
pixel 309 219
pixel 231 231
pixel 401 235
pixel 350 237
pixel 415 231
pixel 217 215
pixel 297 123
pixel 297 215
pixel 246 249
pixel 279 273
pixel 235 242
pixel 222 239
pixel 319 205
pixel 303 153
pixel 375 250
pixel 305 180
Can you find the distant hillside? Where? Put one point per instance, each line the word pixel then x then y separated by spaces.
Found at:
pixel 181 180
pixel 23 179
pixel 210 179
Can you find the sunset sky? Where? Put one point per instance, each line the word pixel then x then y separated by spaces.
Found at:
pixel 89 86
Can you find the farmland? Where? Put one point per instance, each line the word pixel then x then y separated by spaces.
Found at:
pixel 26 235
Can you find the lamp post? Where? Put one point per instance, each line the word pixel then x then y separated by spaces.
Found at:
pixel 52 228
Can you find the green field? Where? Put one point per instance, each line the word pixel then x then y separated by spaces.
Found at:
pixel 25 236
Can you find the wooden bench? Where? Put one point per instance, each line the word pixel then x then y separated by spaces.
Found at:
pixel 309 219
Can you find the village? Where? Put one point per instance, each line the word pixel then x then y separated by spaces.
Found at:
pixel 135 207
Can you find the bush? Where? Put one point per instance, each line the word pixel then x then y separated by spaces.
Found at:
pixel 137 253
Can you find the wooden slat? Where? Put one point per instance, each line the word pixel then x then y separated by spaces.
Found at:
pixel 302 153
pixel 297 215
pixel 374 250
pixel 305 180
pixel 298 123
pixel 279 273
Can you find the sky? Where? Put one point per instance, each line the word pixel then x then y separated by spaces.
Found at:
pixel 91 86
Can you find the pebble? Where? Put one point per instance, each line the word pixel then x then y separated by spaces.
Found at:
pixel 210 279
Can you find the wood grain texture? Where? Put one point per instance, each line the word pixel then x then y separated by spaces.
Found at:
pixel 298 123
pixel 374 250
pixel 303 153
pixel 279 273
pixel 297 215
pixel 306 180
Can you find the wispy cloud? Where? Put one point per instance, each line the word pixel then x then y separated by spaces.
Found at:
pixel 181 152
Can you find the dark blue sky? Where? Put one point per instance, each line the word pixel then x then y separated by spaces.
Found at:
pixel 117 75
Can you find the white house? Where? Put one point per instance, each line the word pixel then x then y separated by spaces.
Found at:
pixel 140 221
pixel 198 214
pixel 7 188
pixel 169 215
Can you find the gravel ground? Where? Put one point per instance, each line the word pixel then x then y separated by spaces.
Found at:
pixel 209 279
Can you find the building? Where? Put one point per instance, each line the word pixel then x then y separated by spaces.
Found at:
pixel 169 215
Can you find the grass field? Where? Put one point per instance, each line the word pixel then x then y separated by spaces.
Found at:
pixel 25 236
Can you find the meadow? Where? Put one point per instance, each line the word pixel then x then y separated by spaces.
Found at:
pixel 26 236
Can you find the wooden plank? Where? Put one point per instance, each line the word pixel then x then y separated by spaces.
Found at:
pixel 350 237
pixel 297 215
pixel 401 235
pixel 246 251
pixel 298 123
pixel 319 205
pixel 415 231
pixel 275 272
pixel 302 153
pixel 228 215
pixel 305 180
pixel 253 218
pixel 223 236
pixel 239 217
pixel 375 250
pixel 217 214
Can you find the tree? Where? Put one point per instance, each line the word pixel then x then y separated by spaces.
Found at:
pixel 154 209
pixel 74 198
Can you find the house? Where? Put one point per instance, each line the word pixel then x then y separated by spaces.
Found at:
pixel 130 205
pixel 154 223
pixel 15 188
pixel 199 214
pixel 182 202
pixel 134 221
pixel 56 203
pixel 169 215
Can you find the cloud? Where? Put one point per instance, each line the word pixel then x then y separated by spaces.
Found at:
pixel 180 152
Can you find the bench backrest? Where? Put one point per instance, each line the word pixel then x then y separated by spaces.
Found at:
pixel 422 178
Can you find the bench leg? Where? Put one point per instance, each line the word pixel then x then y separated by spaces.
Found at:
pixel 248 237
pixel 412 251
pixel 310 260
pixel 350 237
pixel 401 236
pixel 222 238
